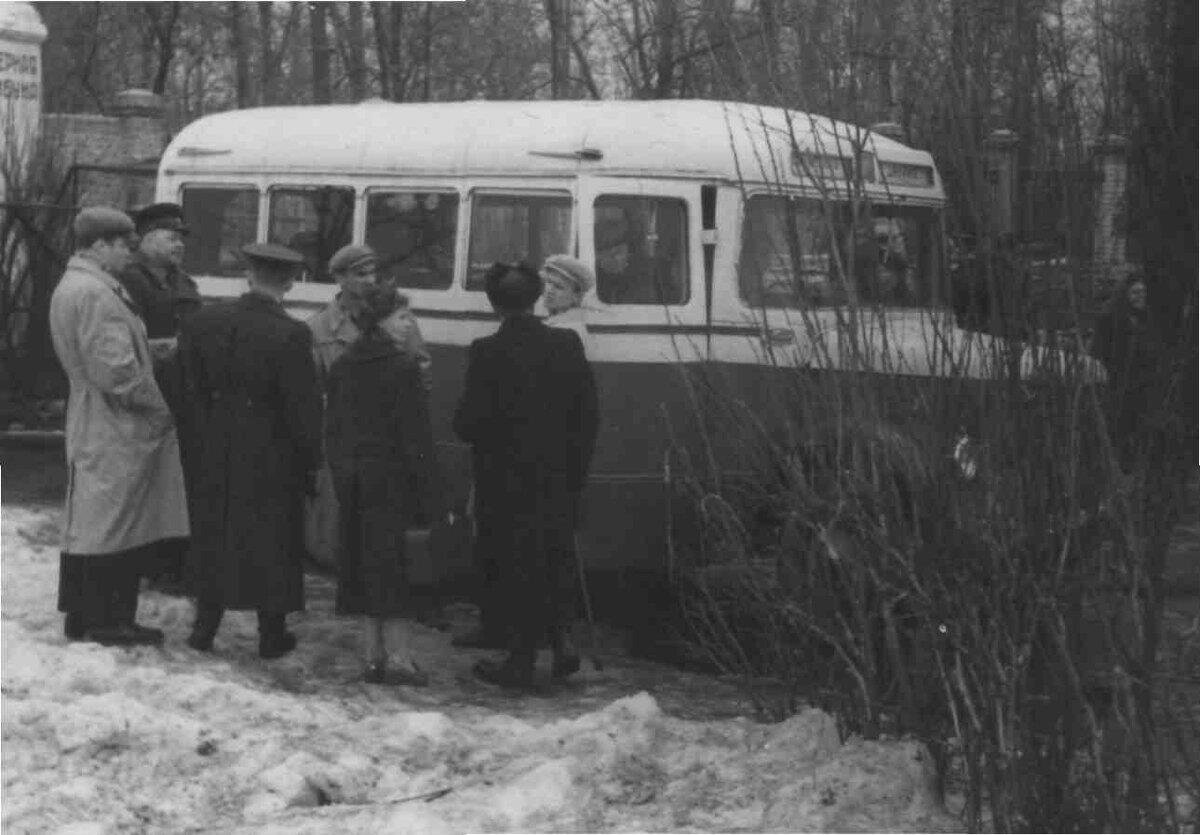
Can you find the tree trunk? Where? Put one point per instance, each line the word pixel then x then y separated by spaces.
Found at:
pixel 666 28
pixel 426 57
pixel 321 87
pixel 383 49
pixel 356 66
pixel 265 72
pixel 241 54
pixel 558 14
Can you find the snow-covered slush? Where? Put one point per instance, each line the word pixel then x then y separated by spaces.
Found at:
pixel 99 740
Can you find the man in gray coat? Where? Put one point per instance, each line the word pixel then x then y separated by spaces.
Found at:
pixel 125 491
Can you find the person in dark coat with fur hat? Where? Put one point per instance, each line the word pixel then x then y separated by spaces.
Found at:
pixel 252 388
pixel 529 412
pixel 379 447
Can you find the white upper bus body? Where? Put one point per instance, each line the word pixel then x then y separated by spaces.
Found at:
pixel 718 230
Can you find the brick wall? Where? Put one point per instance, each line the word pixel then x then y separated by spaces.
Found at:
pixel 131 139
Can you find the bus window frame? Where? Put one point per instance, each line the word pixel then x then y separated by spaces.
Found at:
pixel 691 312
pixel 299 183
pixel 490 190
pixel 231 185
pixel 458 267
pixel 870 198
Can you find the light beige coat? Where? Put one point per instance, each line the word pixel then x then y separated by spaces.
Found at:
pixel 125 482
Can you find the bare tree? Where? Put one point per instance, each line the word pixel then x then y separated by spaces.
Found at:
pixel 318 32
pixel 236 23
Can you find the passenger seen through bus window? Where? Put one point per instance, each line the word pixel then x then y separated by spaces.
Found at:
pixel 641 250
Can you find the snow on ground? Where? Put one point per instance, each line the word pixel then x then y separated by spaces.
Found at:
pixel 100 740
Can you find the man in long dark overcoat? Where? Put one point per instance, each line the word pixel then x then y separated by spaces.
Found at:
pixel 252 389
pixel 163 296
pixel 528 410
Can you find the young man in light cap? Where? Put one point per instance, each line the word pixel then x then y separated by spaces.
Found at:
pixel 164 296
pixel 355 266
pixel 566 281
pixel 125 490
pixel 529 412
pixel 252 390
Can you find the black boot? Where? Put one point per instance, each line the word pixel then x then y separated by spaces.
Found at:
pixel 123 608
pixel 565 656
pixel 274 641
pixel 204 628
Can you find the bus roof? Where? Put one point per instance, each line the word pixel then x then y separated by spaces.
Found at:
pixel 673 138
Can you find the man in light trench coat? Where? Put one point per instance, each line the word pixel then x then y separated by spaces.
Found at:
pixel 125 491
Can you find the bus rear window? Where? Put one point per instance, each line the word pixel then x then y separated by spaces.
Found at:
pixel 414 234
pixel 221 221
pixel 800 252
pixel 314 221
pixel 515 227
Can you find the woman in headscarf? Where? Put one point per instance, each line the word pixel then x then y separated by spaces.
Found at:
pixel 379 445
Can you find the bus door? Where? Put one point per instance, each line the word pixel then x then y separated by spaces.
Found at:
pixel 645 316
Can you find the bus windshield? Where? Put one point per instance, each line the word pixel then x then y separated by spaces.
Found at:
pixel 799 252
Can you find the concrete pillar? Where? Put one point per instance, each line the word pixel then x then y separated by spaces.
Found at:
pixel 1000 150
pixel 1112 176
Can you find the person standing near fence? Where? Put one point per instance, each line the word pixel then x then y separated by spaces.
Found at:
pixel 529 412
pixel 252 394
pixel 125 492
pixel 164 296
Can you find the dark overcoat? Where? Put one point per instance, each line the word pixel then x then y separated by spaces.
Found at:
pixel 163 296
pixel 254 405
pixel 379 447
pixel 529 412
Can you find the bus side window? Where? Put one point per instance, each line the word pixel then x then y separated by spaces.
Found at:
pixel 414 233
pixel 313 220
pixel 516 227
pixel 641 250
pixel 221 221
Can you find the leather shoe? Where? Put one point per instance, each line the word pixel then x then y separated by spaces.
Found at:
pixel 505 674
pixel 480 639
pixel 276 646
pixel 124 635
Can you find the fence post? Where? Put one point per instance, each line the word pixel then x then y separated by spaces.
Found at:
pixel 1108 240
pixel 1001 154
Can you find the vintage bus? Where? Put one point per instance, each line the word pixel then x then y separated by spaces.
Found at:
pixel 719 234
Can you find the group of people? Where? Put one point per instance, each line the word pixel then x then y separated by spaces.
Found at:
pixel 195 432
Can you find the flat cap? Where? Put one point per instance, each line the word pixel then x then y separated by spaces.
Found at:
pixel 350 256
pixel 275 254
pixel 160 216
pixel 571 270
pixel 97 221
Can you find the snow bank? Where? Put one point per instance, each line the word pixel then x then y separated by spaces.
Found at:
pixel 100 740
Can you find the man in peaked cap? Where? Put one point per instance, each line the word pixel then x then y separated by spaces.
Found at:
pixel 253 401
pixel 163 295
pixel 125 495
